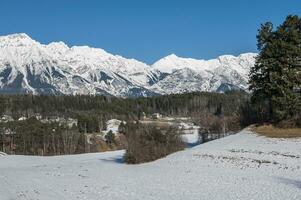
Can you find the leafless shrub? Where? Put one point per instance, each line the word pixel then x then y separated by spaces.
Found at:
pixel 149 142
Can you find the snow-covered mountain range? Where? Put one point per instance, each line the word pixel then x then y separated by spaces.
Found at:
pixel 27 66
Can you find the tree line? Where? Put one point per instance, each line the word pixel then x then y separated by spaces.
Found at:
pixel 93 111
pixel 32 137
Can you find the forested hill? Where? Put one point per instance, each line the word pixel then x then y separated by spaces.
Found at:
pixel 55 125
pixel 70 106
pixel 93 111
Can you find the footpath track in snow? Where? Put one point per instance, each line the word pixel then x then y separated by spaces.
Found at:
pixel 241 166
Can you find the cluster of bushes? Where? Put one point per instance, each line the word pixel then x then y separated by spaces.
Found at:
pixel 31 137
pixel 111 142
pixel 150 142
pixel 255 113
pixel 218 124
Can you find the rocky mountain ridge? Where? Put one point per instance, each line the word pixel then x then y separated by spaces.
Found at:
pixel 27 66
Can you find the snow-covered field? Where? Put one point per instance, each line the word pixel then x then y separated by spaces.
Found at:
pixel 241 166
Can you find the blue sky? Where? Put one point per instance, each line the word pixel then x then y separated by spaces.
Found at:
pixel 147 29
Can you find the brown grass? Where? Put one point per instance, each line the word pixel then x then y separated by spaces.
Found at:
pixel 274 132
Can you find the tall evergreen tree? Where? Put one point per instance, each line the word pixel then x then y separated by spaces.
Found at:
pixel 275 78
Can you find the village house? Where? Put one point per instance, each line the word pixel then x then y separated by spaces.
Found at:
pixel 22 118
pixel 6 118
pixel 156 116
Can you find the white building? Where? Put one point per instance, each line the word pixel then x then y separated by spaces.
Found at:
pixel 22 118
pixel 156 116
pixel 6 118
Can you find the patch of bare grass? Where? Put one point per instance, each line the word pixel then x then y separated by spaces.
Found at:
pixel 275 132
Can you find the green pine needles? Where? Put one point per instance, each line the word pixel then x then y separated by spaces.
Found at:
pixel 275 80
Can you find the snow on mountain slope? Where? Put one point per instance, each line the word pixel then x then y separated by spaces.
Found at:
pixel 181 81
pixel 171 63
pixel 242 166
pixel 26 66
pixel 186 74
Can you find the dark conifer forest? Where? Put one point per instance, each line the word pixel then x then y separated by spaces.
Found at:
pixel 32 137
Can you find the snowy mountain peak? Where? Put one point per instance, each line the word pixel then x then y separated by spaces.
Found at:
pixel 26 66
pixel 58 45
pixel 16 36
pixel 229 58
pixel 171 56
pixel 243 55
pixel 17 40
pixel 172 63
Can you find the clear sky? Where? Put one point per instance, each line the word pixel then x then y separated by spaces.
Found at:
pixel 147 29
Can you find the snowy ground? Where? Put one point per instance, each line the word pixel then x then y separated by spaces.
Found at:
pixel 241 166
pixel 2 153
pixel 190 136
